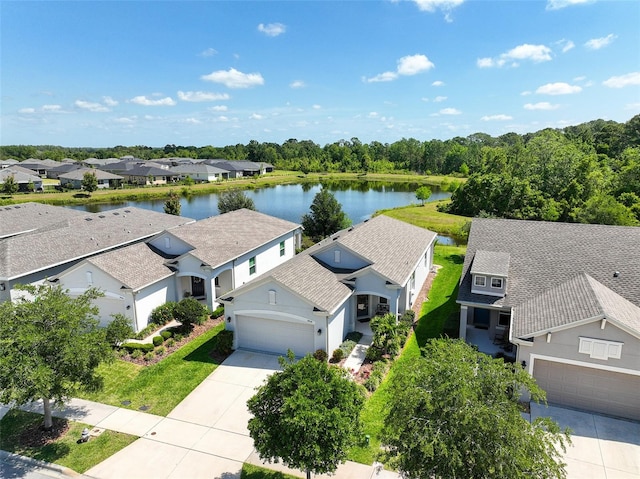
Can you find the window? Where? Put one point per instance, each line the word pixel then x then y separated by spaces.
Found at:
pixel 600 348
pixel 336 256
pixel 504 319
pixel 89 278
pixel 216 281
pixel 496 283
pixel 281 248
pixel 272 296
pixel 480 281
pixel 252 265
pixel 413 281
pixel 167 242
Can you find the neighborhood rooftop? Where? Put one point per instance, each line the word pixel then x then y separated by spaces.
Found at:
pixel 25 217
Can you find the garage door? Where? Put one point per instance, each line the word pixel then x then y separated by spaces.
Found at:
pixel 274 336
pixel 590 389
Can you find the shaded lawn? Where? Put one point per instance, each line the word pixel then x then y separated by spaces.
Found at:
pixel 434 314
pixel 64 450
pixel 429 217
pixel 163 385
pixel 255 472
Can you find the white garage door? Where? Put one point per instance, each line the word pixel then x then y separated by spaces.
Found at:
pixel 274 336
pixel 590 389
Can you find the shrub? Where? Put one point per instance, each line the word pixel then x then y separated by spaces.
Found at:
pixel 337 356
pixel 163 313
pixel 137 354
pixel 160 351
pixel 143 333
pixel 321 355
pixel 149 356
pixel 166 334
pixel 225 342
pixel 219 311
pixel 118 330
pixel 354 336
pixel 131 347
pixel 178 337
pixel 347 346
pixel 377 375
pixel 373 354
pixel 157 340
pixel 170 342
pixel 189 312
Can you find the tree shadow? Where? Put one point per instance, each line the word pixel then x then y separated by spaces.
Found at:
pixel 81 195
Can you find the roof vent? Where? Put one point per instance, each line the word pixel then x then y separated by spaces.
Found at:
pixel 616 274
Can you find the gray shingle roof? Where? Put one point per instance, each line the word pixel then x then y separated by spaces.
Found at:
pixel 220 239
pixel 577 299
pixel 78 174
pixel 80 236
pixel 491 263
pixel 134 266
pixel 544 255
pixel 17 219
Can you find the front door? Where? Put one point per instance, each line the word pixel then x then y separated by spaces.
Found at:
pixel 197 286
pixel 363 306
pixel 481 318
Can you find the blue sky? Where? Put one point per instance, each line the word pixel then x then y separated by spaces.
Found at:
pixel 82 73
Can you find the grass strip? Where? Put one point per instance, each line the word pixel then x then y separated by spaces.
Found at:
pixel 64 451
pixel 250 471
pixel 162 386
pixel 429 217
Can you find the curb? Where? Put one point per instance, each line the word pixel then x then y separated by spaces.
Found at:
pixel 65 471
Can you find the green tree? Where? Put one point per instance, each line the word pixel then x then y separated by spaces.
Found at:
pixel 172 204
pixel 234 200
pixel 326 216
pixel 423 194
pixel 118 330
pixel 605 210
pixel 10 186
pixel 306 415
pixel 188 312
pixel 50 346
pixel 89 182
pixel 454 412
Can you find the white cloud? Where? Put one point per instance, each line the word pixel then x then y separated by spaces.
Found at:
pixel 91 106
pixel 439 99
pixel 534 53
pixel 580 78
pixel 144 101
pixel 598 43
pixel 632 106
pixel 623 80
pixel 558 88
pixel 233 78
pixel 198 96
pixel 209 52
pixel 496 118
pixel 373 114
pixel 219 108
pixel 272 29
pixel 526 93
pixel 446 6
pixel 27 111
pixel 566 45
pixel 221 118
pixel 558 4
pixel 256 116
pixel 543 105
pixel 297 84
pixel 316 107
pixel 52 108
pixel 191 121
pixel 107 100
pixel 438 83
pixel 126 120
pixel 450 111
pixel 407 66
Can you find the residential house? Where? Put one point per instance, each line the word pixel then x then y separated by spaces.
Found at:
pixel 200 172
pixel 149 175
pixel 41 167
pixel 566 297
pixel 312 301
pixel 22 176
pixel 74 178
pixel 203 259
pixel 63 168
pixel 30 256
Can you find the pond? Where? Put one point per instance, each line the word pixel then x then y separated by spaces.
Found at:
pixel 359 200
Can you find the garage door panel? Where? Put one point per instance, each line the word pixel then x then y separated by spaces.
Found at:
pixel 274 336
pixel 596 390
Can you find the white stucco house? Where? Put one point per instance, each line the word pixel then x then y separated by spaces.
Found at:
pixel 203 259
pixel 313 300
pixel 566 298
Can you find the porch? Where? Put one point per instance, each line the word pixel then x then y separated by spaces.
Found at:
pixel 496 347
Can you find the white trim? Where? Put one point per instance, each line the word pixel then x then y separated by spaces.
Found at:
pixel 499 279
pixel 600 348
pixel 476 277
pixel 276 315
pixel 604 367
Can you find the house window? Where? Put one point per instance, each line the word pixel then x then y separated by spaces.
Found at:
pixel 252 265
pixel 504 320
pixel 272 296
pixel 600 348
pixel 496 283
pixel 167 242
pixel 89 278
pixel 281 248
pixel 413 280
pixel 480 281
pixel 216 281
pixel 336 256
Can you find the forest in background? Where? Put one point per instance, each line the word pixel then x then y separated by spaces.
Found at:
pixel 585 173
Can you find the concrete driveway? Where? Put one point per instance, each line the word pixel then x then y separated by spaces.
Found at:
pixel 602 447
pixel 205 435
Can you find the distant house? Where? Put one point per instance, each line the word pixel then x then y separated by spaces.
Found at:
pixel 41 167
pixel 74 178
pixel 567 297
pixel 312 301
pixel 149 175
pixel 62 169
pixel 240 168
pixel 22 176
pixel 204 260
pixel 200 172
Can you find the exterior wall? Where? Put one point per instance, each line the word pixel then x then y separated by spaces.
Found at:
pixel 494 318
pixel 564 345
pixel 376 285
pixel 487 288
pixel 176 246
pixel 338 328
pixel 267 258
pixel 150 298
pixel 347 259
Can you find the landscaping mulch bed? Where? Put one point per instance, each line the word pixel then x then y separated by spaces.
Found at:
pixel 35 435
pixel 195 332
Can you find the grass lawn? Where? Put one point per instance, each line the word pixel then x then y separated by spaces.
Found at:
pixel 434 314
pixel 255 472
pixel 429 217
pixel 64 450
pixel 161 386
